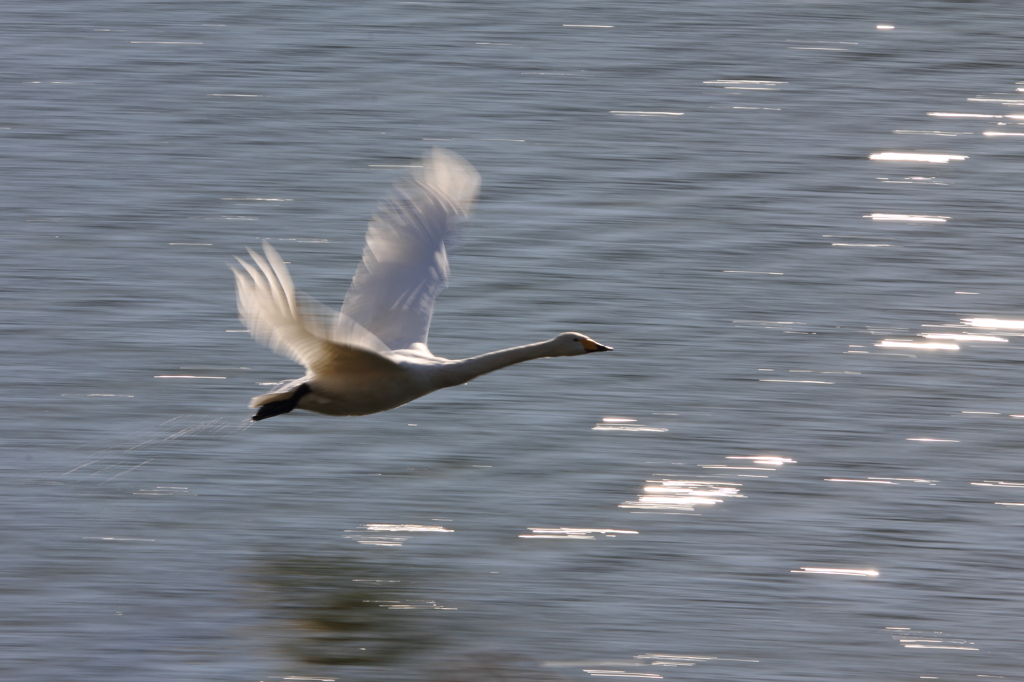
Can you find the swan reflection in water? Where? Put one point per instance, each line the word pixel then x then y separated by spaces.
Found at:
pixel 331 612
pixel 373 356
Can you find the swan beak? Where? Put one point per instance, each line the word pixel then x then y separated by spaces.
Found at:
pixel 592 346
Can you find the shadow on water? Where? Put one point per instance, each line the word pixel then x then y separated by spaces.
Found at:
pixel 341 611
pixel 333 614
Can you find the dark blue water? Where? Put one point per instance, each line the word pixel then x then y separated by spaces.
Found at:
pixel 767 329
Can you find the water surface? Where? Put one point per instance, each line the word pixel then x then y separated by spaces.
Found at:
pixel 805 491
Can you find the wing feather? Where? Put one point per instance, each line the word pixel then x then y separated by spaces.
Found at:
pixel 405 263
pixel 297 326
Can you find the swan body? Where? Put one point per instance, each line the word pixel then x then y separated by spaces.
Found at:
pixel 373 355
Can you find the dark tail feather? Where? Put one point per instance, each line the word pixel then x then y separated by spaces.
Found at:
pixel 281 406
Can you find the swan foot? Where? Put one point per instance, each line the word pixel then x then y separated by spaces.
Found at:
pixel 281 406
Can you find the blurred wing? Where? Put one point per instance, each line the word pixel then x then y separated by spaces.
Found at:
pixel 405 265
pixel 298 327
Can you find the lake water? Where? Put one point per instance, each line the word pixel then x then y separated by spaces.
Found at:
pixel 776 476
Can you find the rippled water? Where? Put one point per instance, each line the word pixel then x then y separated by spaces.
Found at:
pixel 801 462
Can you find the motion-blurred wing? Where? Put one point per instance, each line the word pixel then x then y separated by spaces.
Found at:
pixel 405 264
pixel 298 327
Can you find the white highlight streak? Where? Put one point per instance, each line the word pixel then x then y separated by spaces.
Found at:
pixel 909 156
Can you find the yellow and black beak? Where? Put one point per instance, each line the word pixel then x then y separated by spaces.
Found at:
pixel 592 346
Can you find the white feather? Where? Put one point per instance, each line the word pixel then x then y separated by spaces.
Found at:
pixel 405 263
pixel 298 327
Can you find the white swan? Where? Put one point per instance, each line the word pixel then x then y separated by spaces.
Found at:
pixel 373 356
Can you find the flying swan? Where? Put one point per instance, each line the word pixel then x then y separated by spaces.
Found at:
pixel 373 356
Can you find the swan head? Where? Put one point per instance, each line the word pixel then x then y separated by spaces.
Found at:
pixel 572 343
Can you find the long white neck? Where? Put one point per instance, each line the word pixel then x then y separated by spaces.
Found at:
pixel 458 372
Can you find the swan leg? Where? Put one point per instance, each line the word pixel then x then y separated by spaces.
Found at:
pixel 281 406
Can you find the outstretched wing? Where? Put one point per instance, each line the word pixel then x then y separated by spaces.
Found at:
pixel 405 264
pixel 296 326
